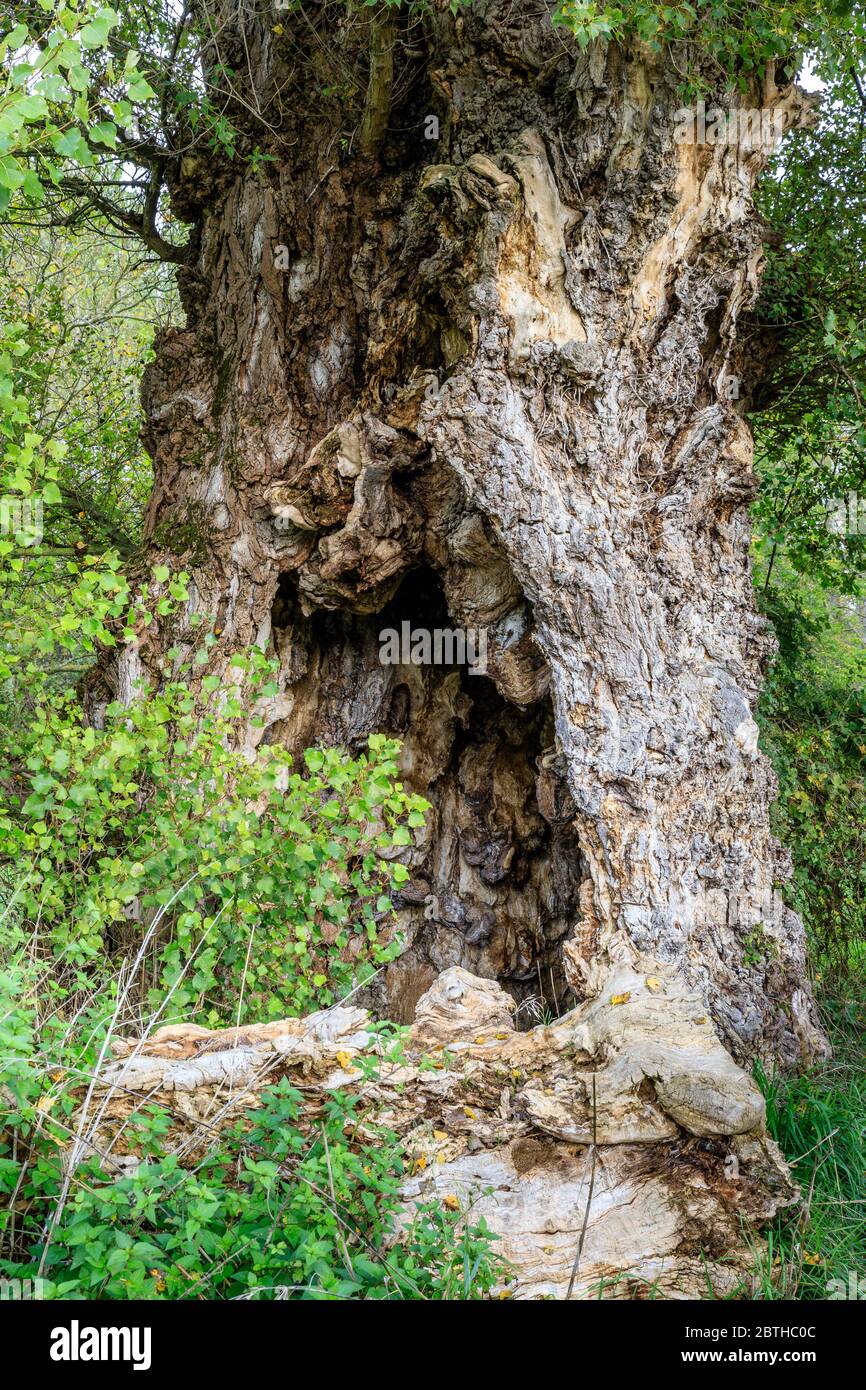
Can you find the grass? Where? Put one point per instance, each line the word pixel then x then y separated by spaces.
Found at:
pixel 819 1122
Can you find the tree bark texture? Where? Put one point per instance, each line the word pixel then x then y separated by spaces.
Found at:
pixel 483 380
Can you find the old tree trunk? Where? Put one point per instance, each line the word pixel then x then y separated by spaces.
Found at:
pixel 463 351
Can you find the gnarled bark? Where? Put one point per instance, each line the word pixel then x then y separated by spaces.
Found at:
pixel 483 380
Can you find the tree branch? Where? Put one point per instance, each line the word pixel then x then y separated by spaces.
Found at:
pixel 380 85
pixel 141 224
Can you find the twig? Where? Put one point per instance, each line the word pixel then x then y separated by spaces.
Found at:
pixel 593 1155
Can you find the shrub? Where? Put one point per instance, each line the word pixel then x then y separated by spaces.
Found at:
pixel 237 882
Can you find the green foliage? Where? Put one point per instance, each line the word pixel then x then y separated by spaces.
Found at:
pixel 810 450
pixel 813 718
pixel 741 38
pixel 254 886
pixel 71 465
pixel 82 313
pixel 310 1217
pixel 79 84
pixel 758 948
pixel 280 1206
pixel 818 1121
pixel 810 426
pixel 64 99
pixel 76 322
